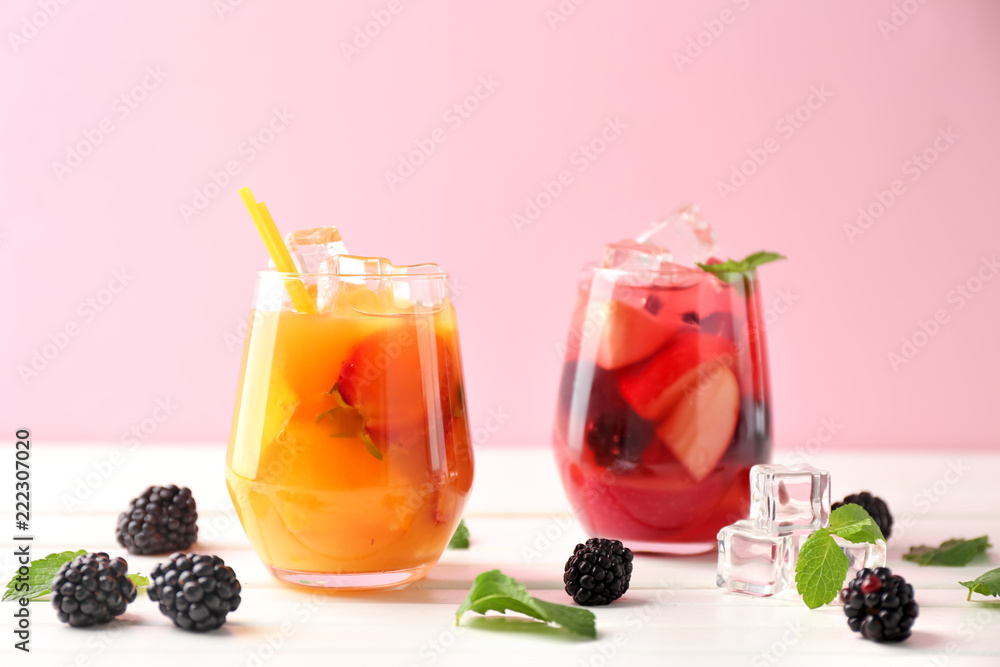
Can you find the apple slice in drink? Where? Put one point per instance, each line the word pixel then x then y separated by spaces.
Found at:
pixel 700 426
pixel 630 334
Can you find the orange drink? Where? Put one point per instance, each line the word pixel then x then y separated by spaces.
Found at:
pixel 349 460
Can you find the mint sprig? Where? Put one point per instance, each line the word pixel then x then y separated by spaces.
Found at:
pixel 495 591
pixel 984 584
pixel 951 553
pixel 724 270
pixel 460 540
pixel 820 570
pixel 42 571
pixel 822 564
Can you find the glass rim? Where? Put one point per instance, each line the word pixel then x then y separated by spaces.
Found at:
pixel 367 276
pixel 595 266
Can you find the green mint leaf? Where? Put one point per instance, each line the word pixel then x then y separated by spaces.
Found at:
pixel 821 569
pixel 762 257
pixel 495 591
pixel 854 524
pixel 460 540
pixel 723 270
pixel 951 553
pixel 985 584
pixel 139 580
pixel 41 572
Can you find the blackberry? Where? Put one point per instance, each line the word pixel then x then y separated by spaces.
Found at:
pixel 91 589
pixel 161 520
pixel 195 591
pixel 875 506
pixel 880 605
pixel 614 432
pixel 598 572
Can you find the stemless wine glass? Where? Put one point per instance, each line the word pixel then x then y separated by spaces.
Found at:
pixel 349 460
pixel 664 405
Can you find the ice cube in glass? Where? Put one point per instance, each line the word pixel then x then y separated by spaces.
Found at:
pixel 789 500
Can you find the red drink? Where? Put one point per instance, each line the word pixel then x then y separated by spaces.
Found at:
pixel 663 405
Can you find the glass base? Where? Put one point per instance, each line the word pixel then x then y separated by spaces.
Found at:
pixel 671 548
pixel 360 581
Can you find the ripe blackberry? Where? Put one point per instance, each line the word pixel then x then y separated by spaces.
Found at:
pixel 875 506
pixel 880 605
pixel 91 589
pixel 598 572
pixel 195 591
pixel 614 432
pixel 161 520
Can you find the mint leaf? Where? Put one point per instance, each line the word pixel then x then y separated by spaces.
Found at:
pixel 821 569
pixel 951 553
pixel 985 584
pixel 495 591
pixel 822 564
pixel 460 540
pixel 41 572
pixel 762 257
pixel 854 524
pixel 748 263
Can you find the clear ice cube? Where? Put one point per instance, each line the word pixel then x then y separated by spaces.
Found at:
pixel 373 285
pixel 789 500
pixel 861 555
pixel 754 562
pixel 629 255
pixel 311 247
pixel 686 233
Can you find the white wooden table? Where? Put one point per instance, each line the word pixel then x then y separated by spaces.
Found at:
pixel 520 523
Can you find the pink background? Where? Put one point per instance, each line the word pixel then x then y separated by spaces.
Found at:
pixel 168 335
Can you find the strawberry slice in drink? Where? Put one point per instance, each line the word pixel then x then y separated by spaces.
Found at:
pixel 655 385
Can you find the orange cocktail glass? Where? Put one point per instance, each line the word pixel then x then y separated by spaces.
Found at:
pixel 349 460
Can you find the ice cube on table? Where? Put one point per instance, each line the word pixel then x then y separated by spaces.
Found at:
pixel 861 555
pixel 754 562
pixel 789 500
pixel 311 247
pixel 686 233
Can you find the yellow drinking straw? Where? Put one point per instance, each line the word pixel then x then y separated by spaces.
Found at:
pixel 278 251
